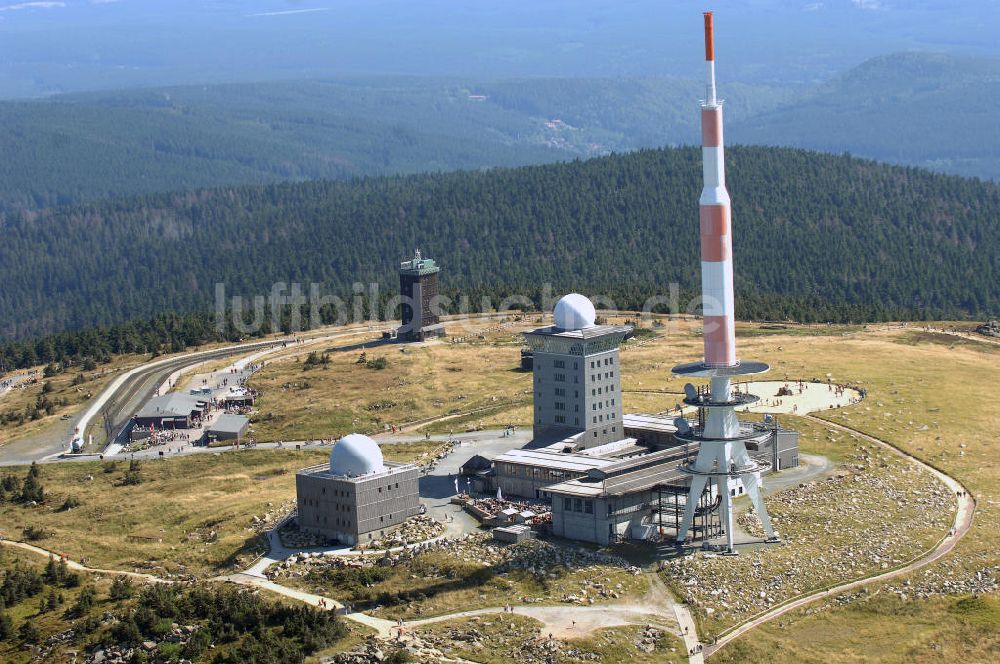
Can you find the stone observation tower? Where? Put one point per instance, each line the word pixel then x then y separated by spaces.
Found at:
pixel 722 440
pixel 418 285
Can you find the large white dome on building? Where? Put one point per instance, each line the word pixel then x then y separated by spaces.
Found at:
pixel 574 312
pixel 356 454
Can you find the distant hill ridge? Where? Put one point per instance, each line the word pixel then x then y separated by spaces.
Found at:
pixel 924 109
pixel 911 108
pixel 817 237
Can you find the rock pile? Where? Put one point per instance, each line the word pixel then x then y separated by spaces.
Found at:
pixel 294 538
pixel 875 516
pixel 267 521
pixel 413 531
pixel 990 328
pixel 144 651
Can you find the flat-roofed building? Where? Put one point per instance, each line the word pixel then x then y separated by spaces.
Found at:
pixel 418 286
pixel 526 473
pixel 358 496
pixel 228 427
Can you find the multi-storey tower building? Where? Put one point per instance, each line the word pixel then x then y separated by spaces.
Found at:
pixel 577 377
pixel 418 285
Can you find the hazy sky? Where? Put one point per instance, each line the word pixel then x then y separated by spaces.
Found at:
pixel 50 46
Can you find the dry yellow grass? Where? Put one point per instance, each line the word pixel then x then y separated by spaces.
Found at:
pixel 70 399
pixel 418 383
pixel 929 394
pixel 190 515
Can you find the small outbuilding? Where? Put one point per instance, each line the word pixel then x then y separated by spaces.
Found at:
pixel 228 427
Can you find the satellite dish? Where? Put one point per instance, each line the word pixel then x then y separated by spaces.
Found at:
pixel 690 392
pixel 682 425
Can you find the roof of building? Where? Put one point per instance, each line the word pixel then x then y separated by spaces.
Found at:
pixel 418 265
pixel 174 404
pixel 615 449
pixel 555 460
pixel 585 333
pixel 229 423
pixel 626 476
pixel 323 470
pixel 356 454
pixel 646 422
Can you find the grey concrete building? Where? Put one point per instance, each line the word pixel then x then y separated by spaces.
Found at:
pixel 638 497
pixel 577 377
pixel 358 496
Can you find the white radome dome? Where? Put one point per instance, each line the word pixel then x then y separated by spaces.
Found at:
pixel 574 312
pixel 356 454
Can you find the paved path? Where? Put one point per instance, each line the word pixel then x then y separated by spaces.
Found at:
pixel 13 381
pixel 966 507
pixel 78 567
pixel 813 397
pixel 564 622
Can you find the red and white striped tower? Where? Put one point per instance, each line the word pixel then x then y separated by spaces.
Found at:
pixel 716 225
pixel 723 466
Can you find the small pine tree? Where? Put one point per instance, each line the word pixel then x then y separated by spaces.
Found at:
pixel 29 633
pixel 85 602
pixel 121 588
pixel 6 627
pixel 32 489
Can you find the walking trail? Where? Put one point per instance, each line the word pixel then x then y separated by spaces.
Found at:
pixel 963 522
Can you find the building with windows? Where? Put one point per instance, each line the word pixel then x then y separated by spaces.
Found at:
pixel 358 496
pixel 418 286
pixel 610 475
pixel 577 380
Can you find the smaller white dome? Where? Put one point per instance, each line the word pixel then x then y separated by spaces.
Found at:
pixel 356 454
pixel 574 312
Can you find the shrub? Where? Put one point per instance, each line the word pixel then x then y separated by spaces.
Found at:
pixel 34 534
pixel 121 588
pixel 29 633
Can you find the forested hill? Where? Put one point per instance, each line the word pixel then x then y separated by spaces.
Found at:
pixel 815 236
pixel 924 109
pixel 75 148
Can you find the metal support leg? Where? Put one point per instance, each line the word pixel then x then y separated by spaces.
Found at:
pixel 752 484
pixel 697 485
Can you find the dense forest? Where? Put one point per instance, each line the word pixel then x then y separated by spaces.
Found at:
pixel 74 148
pixel 816 237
